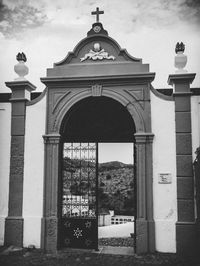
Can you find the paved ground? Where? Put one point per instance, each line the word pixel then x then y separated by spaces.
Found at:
pixel 15 257
pixel 120 230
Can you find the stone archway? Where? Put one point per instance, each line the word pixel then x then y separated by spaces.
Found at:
pixel 145 241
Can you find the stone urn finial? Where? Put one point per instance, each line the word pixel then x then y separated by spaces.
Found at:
pixel 20 68
pixel 180 59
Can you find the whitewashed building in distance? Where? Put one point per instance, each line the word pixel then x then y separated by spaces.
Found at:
pixel 99 93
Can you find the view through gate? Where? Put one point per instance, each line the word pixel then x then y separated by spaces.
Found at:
pixel 79 221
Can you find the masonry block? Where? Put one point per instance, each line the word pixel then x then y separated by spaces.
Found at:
pixel 16 195
pixel 181 86
pixel 183 144
pixel 183 122
pixel 184 165
pixel 186 239
pixel 17 145
pixel 186 210
pixel 18 126
pixel 185 188
pixel 14 231
pixel 18 108
pixel 182 104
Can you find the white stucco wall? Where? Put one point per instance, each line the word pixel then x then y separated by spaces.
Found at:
pixel 33 173
pixel 5 131
pixel 164 161
pixel 195 113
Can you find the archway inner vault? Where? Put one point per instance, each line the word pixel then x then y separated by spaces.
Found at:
pixel 98 119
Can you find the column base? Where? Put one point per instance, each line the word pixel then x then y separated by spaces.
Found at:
pixel 151 236
pixel 141 236
pixel 14 227
pixel 145 236
pixel 186 238
pixel 49 234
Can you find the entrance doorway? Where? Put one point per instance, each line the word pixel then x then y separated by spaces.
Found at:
pixel 98 195
pixel 87 125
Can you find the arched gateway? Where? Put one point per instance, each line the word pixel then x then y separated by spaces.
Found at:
pixel 98 93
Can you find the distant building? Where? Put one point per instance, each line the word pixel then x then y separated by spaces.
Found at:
pixel 109 218
pixel 121 219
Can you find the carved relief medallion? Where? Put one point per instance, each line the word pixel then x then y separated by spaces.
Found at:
pixel 97 54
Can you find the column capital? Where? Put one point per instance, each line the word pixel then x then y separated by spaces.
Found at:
pixel 53 138
pixel 143 137
pixel 21 89
pixel 186 78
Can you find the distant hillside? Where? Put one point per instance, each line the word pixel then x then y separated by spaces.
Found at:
pixel 113 165
pixel 116 184
pixel 76 163
pixel 116 188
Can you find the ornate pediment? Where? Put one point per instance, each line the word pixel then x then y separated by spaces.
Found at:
pixel 97 47
pixel 97 55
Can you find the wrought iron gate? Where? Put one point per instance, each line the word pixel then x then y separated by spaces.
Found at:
pixel 79 222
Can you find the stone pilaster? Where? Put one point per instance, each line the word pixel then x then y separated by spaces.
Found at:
pixel 145 227
pixel 185 226
pixel 51 187
pixel 14 222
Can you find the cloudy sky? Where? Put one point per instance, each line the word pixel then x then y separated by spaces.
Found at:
pixel 46 30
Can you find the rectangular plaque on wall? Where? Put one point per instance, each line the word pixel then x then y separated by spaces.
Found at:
pixel 164 178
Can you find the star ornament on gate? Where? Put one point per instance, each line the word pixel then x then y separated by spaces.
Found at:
pixel 88 224
pixel 67 224
pixel 67 241
pixel 88 242
pixel 78 232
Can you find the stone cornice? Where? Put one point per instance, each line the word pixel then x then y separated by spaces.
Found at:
pixel 139 78
pixel 22 84
pixel 181 78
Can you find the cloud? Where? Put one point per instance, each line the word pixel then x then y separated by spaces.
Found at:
pixel 159 14
pixel 135 15
pixel 18 16
pixel 186 10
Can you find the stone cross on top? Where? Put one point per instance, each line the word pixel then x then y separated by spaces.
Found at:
pixel 97 13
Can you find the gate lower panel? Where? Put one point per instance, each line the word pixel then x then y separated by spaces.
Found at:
pixel 79 233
